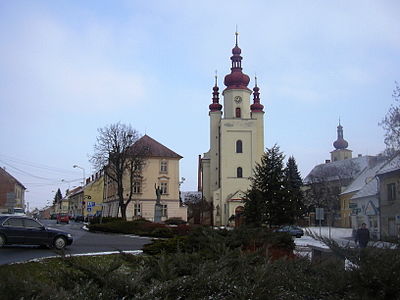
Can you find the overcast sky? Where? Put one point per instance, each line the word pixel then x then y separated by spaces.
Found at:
pixel 68 68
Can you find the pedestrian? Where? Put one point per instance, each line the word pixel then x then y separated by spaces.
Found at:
pixel 362 236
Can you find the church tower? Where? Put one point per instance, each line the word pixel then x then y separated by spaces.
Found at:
pixel 341 152
pixel 236 142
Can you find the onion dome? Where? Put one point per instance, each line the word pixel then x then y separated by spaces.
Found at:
pixel 340 143
pixel 237 79
pixel 215 106
pixel 256 106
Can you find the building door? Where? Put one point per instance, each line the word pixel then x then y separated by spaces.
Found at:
pixel 239 217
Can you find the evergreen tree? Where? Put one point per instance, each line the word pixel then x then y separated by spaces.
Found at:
pixel 294 196
pixel 57 197
pixel 265 201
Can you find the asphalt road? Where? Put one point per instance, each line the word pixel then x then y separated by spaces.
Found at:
pixel 84 242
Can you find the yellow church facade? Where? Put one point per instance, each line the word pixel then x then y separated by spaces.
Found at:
pixel 236 144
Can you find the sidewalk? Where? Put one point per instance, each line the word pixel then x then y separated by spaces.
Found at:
pixel 343 236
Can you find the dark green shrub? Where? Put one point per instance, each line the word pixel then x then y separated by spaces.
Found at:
pixel 161 232
pixel 175 221
pixel 96 220
pixel 171 245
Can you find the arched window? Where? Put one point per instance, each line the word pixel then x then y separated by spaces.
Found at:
pixel 238 112
pixel 239 172
pixel 239 148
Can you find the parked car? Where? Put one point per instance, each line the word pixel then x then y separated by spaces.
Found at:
pixel 79 218
pixel 62 218
pixel 292 230
pixel 25 230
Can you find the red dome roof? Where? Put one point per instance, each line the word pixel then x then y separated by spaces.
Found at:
pixel 237 79
pixel 215 106
pixel 340 144
pixel 256 106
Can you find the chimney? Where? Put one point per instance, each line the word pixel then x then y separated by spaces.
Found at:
pixel 359 155
pixel 327 161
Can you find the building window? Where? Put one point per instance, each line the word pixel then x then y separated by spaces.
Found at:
pixel 137 210
pixel 238 112
pixel 137 187
pixel 164 188
pixel 164 166
pixel 239 172
pixel 391 190
pixel 239 146
pixel 164 211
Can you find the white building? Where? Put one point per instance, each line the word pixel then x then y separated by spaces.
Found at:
pixel 236 143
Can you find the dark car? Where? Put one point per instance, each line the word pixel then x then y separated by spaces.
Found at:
pixel 292 230
pixel 62 218
pixel 25 230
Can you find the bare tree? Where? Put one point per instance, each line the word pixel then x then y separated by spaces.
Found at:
pixel 391 122
pixel 121 159
pixel 323 186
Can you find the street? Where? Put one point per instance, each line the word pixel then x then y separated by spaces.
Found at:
pixel 84 242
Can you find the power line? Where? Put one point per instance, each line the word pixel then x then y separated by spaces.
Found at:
pixel 26 173
pixel 36 165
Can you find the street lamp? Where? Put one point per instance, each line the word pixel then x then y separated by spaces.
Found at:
pixel 83 169
pixel 83 184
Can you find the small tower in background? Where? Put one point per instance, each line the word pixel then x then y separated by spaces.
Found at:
pixel 341 152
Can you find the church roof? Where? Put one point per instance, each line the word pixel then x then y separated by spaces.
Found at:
pixel 154 148
pixel 236 79
pixel 342 169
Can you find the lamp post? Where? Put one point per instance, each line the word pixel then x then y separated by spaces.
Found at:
pixel 83 184
pixel 83 169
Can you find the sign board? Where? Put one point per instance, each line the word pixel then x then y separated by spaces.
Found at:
pixel 89 209
pixel 356 211
pixel 319 213
pixel 352 205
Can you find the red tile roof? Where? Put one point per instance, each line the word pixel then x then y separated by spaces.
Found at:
pixel 10 178
pixel 154 148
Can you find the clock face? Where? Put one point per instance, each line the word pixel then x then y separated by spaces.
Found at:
pixel 238 99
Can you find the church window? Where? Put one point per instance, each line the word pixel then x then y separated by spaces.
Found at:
pixel 239 172
pixel 238 112
pixel 239 146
